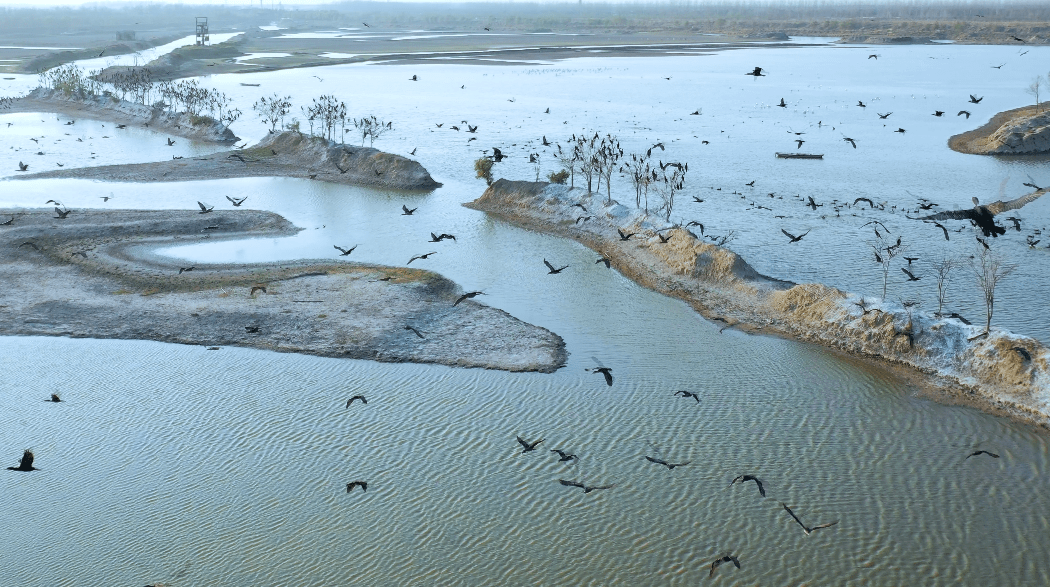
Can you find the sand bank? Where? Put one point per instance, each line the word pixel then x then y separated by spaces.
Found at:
pixel 718 283
pixel 1021 131
pixel 95 274
pixel 287 154
pixel 112 109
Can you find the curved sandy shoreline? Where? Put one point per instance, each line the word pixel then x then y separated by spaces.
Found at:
pixel 95 275
pixel 986 373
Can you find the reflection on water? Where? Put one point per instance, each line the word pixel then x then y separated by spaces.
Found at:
pixel 184 466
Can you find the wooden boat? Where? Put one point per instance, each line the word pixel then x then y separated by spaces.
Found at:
pixel 799 156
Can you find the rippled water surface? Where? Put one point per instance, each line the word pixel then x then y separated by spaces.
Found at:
pixel 189 467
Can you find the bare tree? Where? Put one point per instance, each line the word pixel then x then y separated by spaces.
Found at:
pixel 641 175
pixel 372 128
pixel 672 184
pixel 944 277
pixel 607 156
pixel 567 160
pixel 583 155
pixel 989 268
pixel 885 253
pixel 273 109
pixel 1033 88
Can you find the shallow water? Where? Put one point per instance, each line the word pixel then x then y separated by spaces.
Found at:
pixel 175 464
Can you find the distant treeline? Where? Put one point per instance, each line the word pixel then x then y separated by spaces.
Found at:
pixel 518 16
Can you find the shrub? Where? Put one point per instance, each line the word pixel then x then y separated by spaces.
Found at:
pixel 483 167
pixel 558 176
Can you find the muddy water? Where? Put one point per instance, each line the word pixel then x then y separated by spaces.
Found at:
pixel 186 466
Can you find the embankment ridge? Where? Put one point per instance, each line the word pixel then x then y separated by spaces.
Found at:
pixel 1021 131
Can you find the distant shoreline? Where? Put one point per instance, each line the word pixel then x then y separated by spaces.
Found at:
pixel 981 140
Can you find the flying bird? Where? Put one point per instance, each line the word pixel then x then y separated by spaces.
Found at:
pixel 468 295
pixel 565 456
pixel 527 446
pixel 22 166
pixel 861 104
pixel 61 213
pixel 782 103
pixel 351 485
pixel 966 112
pixel 256 288
pixel 794 239
pixel 185 269
pixel 585 488
pixel 983 215
pixel 235 201
pixel 670 466
pixel 868 200
pixel 26 463
pixel 745 478
pixel 686 394
pixel 900 130
pixel 983 452
pixel 552 270
pixel 407 327
pixel 170 142
pixel 850 141
pixel 54 398
pixel 884 116
pixel 807 529
pixel 723 559
pixel 356 397
pixel 606 371
pixel 911 277
pixel 406 211
pixel 204 209
pixel 608 263
pixel 938 112
pixel 421 257
pixel 757 72
pixel 413 78
pixel 345 252
pixel 976 100
pixel 623 236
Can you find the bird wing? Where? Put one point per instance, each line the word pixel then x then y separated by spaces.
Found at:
pixel 951 215
pixel 1001 206
pixel 608 377
pixel 571 483
pixel 657 461
pixel 231 199
pixel 461 298
pixel 761 490
pixel 549 266
pixel 788 510
pixel 522 442
pixel 203 207
pixel 827 525
pixel 908 273
pixel 27 460
pixel 788 234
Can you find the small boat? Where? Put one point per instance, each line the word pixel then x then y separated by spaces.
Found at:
pixel 252 85
pixel 799 156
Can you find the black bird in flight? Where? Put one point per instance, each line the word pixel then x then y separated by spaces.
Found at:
pixel 185 269
pixel 608 263
pixel 884 116
pixel 850 141
pixel 26 463
pixel 900 130
pixel 723 559
pixel 413 79
pixel 421 257
pixel 794 239
pixel 873 56
pixel 585 488
pixel 356 397
pixel 983 242
pixel 366 25
pixel 670 466
pixel 606 371
pixel 685 394
pixel 527 446
pixel 782 103
pixel 580 219
pixel 800 142
pixel 909 274
pixel 552 270
pixel 861 104
pixel 256 288
pixel 351 485
pixel 406 211
pixel 235 201
pixel 938 112
pixel 54 398
pixel 1018 39
pixel 745 478
pixel 61 213
pixel 910 259
pixel 966 112
pixel 565 456
pixel 868 200
pixel 497 155
pixel 983 452
pixel 757 72
pixel 407 327
pixel 170 142
pixel 807 529
pixel 984 216
pixel 436 238
pixel 470 295
pixel 344 252
pixel 204 209
pixel 22 166
pixel 976 100
pixel 623 236
pixel 750 184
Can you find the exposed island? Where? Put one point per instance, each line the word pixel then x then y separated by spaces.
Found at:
pixel 95 274
pixel 987 372
pixel 286 154
pixel 1021 131
pixel 112 109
